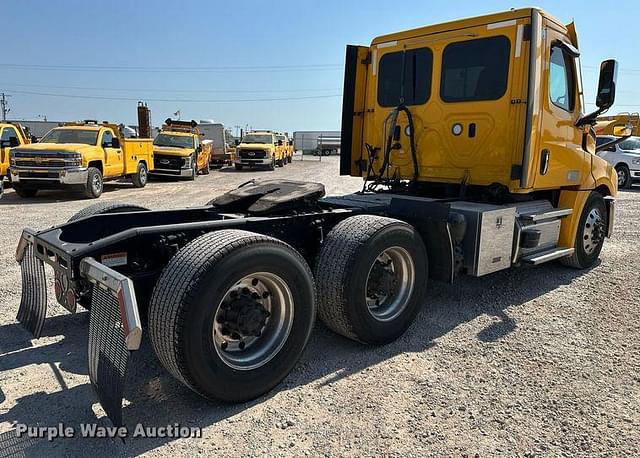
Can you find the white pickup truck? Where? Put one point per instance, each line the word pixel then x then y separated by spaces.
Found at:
pixel 624 156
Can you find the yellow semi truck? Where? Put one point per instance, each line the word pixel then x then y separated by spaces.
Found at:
pixel 181 151
pixel 476 156
pixel 80 155
pixel 11 135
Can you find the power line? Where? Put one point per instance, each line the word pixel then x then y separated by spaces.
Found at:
pixel 97 97
pixel 199 69
pixel 195 91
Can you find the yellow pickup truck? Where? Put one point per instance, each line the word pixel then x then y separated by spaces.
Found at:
pixel 260 148
pixel 11 135
pixel 180 151
pixel 80 155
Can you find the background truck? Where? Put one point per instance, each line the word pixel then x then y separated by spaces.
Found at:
pixel 80 155
pixel 11 135
pixel 215 132
pixel 606 125
pixel 260 148
pixel 491 167
pixel 180 150
pixel 624 156
pixel 285 146
pixel 328 145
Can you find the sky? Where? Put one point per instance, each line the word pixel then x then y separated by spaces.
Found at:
pixel 258 64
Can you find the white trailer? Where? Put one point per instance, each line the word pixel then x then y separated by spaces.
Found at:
pixel 215 132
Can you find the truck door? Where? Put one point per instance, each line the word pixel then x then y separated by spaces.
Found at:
pixel 8 139
pixel 353 110
pixel 113 160
pixel 465 90
pixel 559 159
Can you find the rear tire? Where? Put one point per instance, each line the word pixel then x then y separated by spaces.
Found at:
pixel 25 193
pixel 95 185
pixel 371 274
pixel 141 177
pixel 590 234
pixel 207 169
pixel 624 176
pixel 194 298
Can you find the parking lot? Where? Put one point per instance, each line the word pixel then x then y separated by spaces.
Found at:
pixel 538 360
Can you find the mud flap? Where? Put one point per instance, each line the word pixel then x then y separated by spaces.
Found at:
pixel 114 331
pixel 33 302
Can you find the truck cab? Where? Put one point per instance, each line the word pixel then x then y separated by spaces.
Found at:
pixel 11 136
pixel 180 151
pixel 487 108
pixel 82 156
pixel 259 148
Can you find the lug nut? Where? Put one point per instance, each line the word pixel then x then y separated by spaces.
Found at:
pixel 224 345
pixel 255 295
pixel 254 282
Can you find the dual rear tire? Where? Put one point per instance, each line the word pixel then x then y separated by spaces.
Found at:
pixel 233 310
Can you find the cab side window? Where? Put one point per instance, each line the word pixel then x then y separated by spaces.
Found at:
pixel 107 138
pixel 475 70
pixel 8 133
pixel 561 79
pixel 405 77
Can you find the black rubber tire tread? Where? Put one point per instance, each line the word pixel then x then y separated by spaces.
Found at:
pixel 335 263
pixel 207 168
pixel 177 288
pixel 101 208
pixel 578 260
pixel 136 180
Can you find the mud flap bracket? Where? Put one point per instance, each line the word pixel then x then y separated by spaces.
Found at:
pixel 114 331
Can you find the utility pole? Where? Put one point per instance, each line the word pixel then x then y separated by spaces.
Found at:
pixel 5 108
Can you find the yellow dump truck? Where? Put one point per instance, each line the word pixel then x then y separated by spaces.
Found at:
pixel 476 156
pixel 11 136
pixel 260 148
pixel 80 155
pixel 180 151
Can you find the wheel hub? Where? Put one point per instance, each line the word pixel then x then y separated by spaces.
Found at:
pixel 244 315
pixel 594 231
pixel 390 283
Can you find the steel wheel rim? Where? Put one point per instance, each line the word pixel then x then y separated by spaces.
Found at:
pixel 622 176
pixel 97 183
pixel 593 231
pixel 390 283
pixel 143 174
pixel 246 351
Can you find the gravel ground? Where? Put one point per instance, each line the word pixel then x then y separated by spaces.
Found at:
pixel 533 361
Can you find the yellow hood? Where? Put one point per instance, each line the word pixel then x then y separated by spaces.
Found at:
pixel 172 151
pixel 66 147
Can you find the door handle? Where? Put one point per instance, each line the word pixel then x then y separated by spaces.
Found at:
pixel 544 161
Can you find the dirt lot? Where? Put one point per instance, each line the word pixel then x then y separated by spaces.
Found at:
pixel 534 361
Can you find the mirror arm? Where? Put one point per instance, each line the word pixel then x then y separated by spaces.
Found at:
pixel 611 143
pixel 590 119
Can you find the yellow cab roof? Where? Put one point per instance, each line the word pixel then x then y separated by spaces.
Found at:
pixel 463 23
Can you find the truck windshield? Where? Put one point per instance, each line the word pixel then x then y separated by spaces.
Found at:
pixel 255 138
pixel 630 144
pixel 86 137
pixel 175 141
